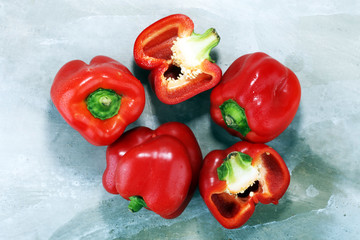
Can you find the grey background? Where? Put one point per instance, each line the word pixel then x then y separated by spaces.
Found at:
pixel 50 184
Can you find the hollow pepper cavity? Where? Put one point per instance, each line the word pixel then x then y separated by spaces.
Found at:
pixel 234 180
pixel 178 58
pixel 156 169
pixel 98 99
pixel 256 99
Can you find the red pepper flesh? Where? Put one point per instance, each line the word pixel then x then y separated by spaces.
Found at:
pixel 266 177
pixel 160 166
pixel 178 58
pixel 98 99
pixel 256 99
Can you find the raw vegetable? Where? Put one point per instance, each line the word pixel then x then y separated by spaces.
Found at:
pixel 98 99
pixel 256 99
pixel 178 58
pixel 234 180
pixel 156 169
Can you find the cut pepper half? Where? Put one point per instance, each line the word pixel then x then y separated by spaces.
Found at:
pixel 234 180
pixel 179 59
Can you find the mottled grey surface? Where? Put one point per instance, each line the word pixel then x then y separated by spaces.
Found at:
pixel 50 184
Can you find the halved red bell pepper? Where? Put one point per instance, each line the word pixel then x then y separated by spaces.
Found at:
pixel 256 99
pixel 178 58
pixel 156 169
pixel 98 100
pixel 234 180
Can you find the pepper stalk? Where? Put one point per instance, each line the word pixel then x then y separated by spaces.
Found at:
pixel 136 203
pixel 103 103
pixel 235 117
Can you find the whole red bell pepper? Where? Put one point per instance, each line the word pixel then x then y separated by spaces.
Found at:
pixel 256 99
pixel 98 100
pixel 178 58
pixel 234 180
pixel 156 169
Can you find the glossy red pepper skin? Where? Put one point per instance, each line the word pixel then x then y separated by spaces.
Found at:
pixel 267 90
pixel 152 51
pixel 230 211
pixel 162 166
pixel 76 80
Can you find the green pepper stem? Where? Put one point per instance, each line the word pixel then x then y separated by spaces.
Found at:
pixel 136 203
pixel 235 117
pixel 103 103
pixel 204 43
pixel 190 52
pixel 238 172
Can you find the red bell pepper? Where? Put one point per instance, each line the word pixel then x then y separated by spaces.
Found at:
pixel 178 58
pixel 156 169
pixel 98 100
pixel 234 180
pixel 256 99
